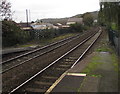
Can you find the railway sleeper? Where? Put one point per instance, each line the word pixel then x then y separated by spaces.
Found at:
pixel 63 65
pixel 42 83
pixel 76 54
pixel 18 60
pixel 61 69
pixel 37 85
pixel 37 90
pixel 53 72
pixel 67 62
pixel 71 57
pixel 25 57
pixel 49 77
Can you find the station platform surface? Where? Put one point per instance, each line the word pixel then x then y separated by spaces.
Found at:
pixel 83 77
pixel 13 50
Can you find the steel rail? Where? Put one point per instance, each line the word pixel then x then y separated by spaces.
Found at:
pixel 86 50
pixel 21 85
pixel 41 48
pixel 36 56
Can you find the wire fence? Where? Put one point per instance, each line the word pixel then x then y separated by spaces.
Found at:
pixel 114 39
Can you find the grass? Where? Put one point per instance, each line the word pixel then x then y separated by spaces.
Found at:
pixel 63 36
pixel 115 61
pixel 26 45
pixel 47 41
pixel 95 61
pixel 93 69
pixel 104 47
pixel 92 65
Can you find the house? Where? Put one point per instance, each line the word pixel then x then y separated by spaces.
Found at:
pixel 41 26
pixel 74 20
pixel 95 21
pixel 59 25
pixel 65 26
pixel 25 26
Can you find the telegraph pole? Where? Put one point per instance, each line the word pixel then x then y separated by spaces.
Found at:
pixel 27 16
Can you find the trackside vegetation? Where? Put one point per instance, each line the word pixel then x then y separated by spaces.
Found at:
pixel 12 35
pixel 109 17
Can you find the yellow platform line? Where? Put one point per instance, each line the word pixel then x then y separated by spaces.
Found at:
pixel 56 82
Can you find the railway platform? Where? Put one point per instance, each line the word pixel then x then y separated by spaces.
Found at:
pixel 14 50
pixel 96 73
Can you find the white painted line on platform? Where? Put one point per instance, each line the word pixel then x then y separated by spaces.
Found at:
pixel 76 74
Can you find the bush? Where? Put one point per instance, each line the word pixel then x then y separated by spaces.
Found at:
pixel 76 27
pixel 51 33
pixel 13 35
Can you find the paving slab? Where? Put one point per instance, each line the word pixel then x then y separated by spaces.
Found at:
pixel 69 83
pixel 90 84
pixel 103 78
pixel 109 79
pixel 13 50
pixel 73 79
pixel 82 64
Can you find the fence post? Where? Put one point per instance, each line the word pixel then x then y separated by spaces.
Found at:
pixel 111 37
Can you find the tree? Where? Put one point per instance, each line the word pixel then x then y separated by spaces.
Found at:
pixel 13 35
pixel 5 10
pixel 109 14
pixel 77 27
pixel 88 19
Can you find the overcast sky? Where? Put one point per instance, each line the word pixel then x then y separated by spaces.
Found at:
pixel 51 8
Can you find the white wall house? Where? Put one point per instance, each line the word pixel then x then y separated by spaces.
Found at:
pixel 39 26
pixel 74 20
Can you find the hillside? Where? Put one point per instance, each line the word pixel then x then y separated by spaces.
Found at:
pixel 64 20
pixel 94 14
pixel 55 20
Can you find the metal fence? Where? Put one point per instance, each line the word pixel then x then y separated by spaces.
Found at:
pixel 114 39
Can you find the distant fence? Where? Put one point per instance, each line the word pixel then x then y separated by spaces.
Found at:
pixel 49 33
pixel 114 38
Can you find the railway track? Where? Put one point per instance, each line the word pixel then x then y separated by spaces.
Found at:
pixel 42 80
pixel 6 58
pixel 21 59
